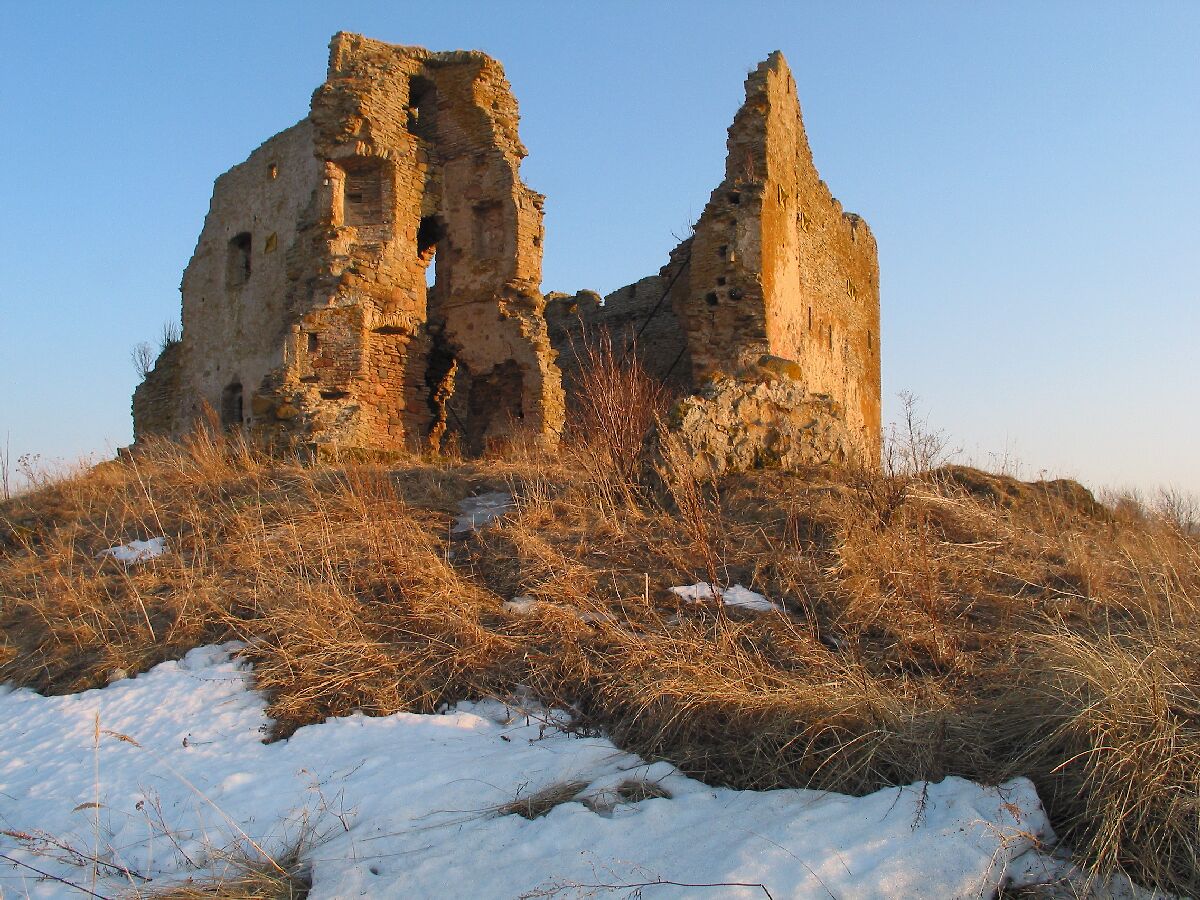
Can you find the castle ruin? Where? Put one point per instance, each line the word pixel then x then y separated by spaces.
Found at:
pixel 370 278
pixel 310 313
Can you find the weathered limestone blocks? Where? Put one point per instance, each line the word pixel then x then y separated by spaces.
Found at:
pixel 370 277
pixel 762 418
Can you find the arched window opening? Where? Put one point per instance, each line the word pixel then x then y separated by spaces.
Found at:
pixel 237 270
pixel 231 406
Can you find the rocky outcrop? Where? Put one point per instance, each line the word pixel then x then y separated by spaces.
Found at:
pixel 764 418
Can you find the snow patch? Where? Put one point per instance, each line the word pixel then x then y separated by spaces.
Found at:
pixel 521 606
pixel 730 596
pixel 160 774
pixel 481 510
pixel 136 551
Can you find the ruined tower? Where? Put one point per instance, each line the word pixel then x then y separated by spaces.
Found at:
pixel 775 272
pixel 370 277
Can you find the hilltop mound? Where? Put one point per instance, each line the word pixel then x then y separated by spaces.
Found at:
pixel 916 625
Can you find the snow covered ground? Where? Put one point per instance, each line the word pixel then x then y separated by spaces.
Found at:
pixel 163 774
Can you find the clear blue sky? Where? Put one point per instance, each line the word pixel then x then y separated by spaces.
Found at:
pixel 1030 171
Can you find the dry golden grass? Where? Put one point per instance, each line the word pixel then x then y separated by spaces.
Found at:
pixel 945 622
pixel 247 878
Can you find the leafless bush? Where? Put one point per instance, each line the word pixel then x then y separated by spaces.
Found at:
pixel 142 356
pixel 169 336
pixel 617 406
pixel 910 446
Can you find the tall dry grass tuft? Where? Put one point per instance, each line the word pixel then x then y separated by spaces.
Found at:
pixel 695 501
pixel 1114 743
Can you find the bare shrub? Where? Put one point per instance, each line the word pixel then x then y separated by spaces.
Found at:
pixel 142 356
pixel 618 403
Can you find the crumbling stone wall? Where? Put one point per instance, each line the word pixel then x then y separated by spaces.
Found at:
pixel 155 399
pixel 637 318
pixel 775 268
pixel 370 278
pixel 309 310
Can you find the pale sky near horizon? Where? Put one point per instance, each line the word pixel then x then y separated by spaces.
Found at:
pixel 1029 170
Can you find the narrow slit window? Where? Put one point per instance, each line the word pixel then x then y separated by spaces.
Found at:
pixel 237 271
pixel 231 406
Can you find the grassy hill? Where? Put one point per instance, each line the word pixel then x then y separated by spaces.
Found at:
pixel 933 621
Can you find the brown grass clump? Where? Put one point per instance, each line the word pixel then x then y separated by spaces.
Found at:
pixel 537 804
pixel 935 622
pixel 248 878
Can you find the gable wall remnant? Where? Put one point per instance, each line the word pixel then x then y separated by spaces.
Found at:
pixel 774 269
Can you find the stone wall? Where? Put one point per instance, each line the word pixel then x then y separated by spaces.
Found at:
pixel 775 268
pixel 638 318
pixel 311 313
pixel 156 398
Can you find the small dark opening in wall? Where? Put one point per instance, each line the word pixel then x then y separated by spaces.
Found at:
pixel 723 250
pixel 237 270
pixel 721 281
pixel 735 197
pixel 334 395
pixel 231 406
pixel 313 342
pixel 870 341
pixel 830 336
pixel 711 298
pixel 735 294
pixel 429 232
pixel 422 107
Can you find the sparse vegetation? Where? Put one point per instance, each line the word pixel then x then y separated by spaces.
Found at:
pixel 939 621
